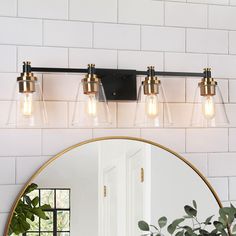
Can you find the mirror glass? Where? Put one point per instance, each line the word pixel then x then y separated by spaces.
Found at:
pixel 105 187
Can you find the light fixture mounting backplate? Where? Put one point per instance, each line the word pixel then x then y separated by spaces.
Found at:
pixel 118 84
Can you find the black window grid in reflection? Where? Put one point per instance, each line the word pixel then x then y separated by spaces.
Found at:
pixel 54 210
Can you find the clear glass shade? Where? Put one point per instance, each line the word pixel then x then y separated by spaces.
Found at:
pixel 209 111
pixel 91 110
pixel 152 110
pixel 27 109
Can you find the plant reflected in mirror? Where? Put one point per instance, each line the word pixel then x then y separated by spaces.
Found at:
pixel 42 211
pixel 190 225
pixel 28 212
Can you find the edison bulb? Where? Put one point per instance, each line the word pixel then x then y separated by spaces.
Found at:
pixel 151 106
pixel 208 107
pixel 92 105
pixel 26 104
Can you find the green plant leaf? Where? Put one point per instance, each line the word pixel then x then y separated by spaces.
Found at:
pixel 208 220
pixel 162 222
pixel 171 228
pixel 190 211
pixel 143 226
pixel 186 227
pixel 218 225
pixel 194 204
pixel 203 232
pixel 190 233
pixel 40 213
pixel 180 233
pixel 35 201
pixel 177 222
pixel 30 188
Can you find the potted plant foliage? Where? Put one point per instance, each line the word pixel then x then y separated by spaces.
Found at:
pixel 190 225
pixel 26 211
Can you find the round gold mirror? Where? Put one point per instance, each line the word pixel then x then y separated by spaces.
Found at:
pixel 104 186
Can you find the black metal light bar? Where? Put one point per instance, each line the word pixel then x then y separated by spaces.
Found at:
pixel 119 84
pixel 103 71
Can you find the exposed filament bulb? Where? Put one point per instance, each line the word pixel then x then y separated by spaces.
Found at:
pixel 208 107
pixel 26 104
pixel 151 106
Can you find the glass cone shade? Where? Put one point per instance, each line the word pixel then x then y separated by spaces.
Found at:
pixel 91 110
pixel 27 110
pixel 209 111
pixel 151 109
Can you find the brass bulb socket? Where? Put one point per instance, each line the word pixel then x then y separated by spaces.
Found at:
pixel 207 87
pixel 91 84
pixel 27 82
pixel 151 85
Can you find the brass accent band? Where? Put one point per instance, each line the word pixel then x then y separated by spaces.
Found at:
pixel 27 82
pixel 207 87
pixel 91 81
pixel 151 82
pixel 91 84
pixel 27 79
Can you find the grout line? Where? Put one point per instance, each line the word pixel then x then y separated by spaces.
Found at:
pixel 42 33
pixel 68 9
pixel 15 161
pixel 41 139
pixel 17 8
pixel 117 59
pixel 122 23
pixel 208 174
pixel 228 43
pixel 185 90
pixel 117 11
pixel 228 140
pixel 68 57
pixel 67 116
pixel 17 58
pixel 228 188
pixel 185 40
pixel 208 17
pixel 93 35
pixel 164 60
pixel 140 46
pixel 122 49
pixel 164 13
pixel 185 141
pixel 229 100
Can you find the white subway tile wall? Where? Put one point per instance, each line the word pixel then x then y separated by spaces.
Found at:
pixel 177 35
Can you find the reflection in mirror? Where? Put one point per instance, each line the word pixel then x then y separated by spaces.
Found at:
pixel 106 187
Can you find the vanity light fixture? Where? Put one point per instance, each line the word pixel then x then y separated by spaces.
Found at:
pixel 209 109
pixel 151 102
pixel 90 108
pixel 27 107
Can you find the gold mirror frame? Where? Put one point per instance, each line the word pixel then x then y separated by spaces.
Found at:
pixel 101 139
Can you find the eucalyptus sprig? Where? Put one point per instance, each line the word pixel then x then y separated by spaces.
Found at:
pixel 190 225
